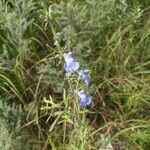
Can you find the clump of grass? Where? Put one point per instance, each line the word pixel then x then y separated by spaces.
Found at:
pixel 12 117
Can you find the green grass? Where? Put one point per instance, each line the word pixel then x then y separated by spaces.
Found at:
pixel 111 38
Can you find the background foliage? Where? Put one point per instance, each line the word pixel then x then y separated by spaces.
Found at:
pixel 111 38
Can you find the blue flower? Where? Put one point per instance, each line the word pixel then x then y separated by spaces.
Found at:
pixel 84 99
pixel 70 63
pixel 84 76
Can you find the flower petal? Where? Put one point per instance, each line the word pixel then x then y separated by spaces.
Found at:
pixel 85 101
pixel 75 65
pixel 84 76
pixel 70 63
pixel 70 67
pixel 86 70
pixel 87 80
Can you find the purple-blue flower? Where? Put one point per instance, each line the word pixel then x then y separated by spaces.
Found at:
pixel 70 63
pixel 84 99
pixel 84 76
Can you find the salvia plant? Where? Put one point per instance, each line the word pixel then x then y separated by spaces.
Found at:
pixel 71 111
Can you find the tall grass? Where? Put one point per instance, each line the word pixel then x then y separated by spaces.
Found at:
pixel 109 37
